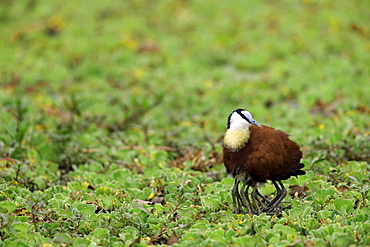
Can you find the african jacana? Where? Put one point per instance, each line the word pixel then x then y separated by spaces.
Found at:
pixel 254 153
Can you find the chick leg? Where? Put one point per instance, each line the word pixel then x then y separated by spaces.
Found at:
pixel 259 205
pixel 280 195
pixel 237 201
pixel 245 193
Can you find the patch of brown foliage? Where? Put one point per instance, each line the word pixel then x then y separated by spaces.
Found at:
pixel 298 191
pixel 198 158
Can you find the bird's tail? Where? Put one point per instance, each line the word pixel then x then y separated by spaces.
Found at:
pixel 299 171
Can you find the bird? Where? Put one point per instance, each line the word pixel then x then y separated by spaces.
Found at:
pixel 254 153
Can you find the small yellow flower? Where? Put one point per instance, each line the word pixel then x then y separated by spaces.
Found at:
pixel 208 83
pixel 334 25
pixel 151 196
pixel 138 73
pixel 56 23
pixel 85 184
pixel 186 123
pixel 14 182
pixel 46 245
pixel 38 127
pixel 130 43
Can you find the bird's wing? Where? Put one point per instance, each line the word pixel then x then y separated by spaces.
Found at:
pixel 272 155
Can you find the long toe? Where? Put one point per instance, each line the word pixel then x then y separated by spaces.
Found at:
pixel 274 210
pixel 286 207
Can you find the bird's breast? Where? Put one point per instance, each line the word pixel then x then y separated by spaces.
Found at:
pixel 234 140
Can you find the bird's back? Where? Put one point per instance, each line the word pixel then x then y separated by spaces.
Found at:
pixel 269 154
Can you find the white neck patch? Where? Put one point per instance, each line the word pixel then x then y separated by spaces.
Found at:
pixel 239 123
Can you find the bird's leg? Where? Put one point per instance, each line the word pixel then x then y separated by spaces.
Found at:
pixel 278 193
pixel 255 200
pixel 240 199
pixel 246 196
pixel 260 206
pixel 281 194
pixel 264 198
pixel 263 203
pixel 236 198
pixel 243 198
pixel 234 193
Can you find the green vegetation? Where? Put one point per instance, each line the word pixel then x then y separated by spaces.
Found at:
pixel 112 115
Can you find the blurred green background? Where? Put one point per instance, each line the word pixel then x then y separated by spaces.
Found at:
pixel 149 85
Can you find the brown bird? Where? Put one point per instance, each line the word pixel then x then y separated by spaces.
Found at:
pixel 254 153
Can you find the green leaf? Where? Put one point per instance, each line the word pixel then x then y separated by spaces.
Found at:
pixel 323 214
pixel 100 233
pixel 86 209
pixel 75 186
pixel 273 238
pixel 81 242
pixel 283 230
pixel 250 241
pixel 21 227
pixel 107 200
pixel 217 236
pixel 325 192
pixel 211 200
pixel 62 239
pixel 8 206
pixel 340 239
pixel 16 243
pixel 159 207
pixel 344 204
pixel 229 234
pixel 295 213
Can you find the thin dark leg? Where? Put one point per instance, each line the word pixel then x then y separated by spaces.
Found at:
pixel 263 197
pixel 256 202
pixel 246 196
pixel 244 200
pixel 281 194
pixel 236 198
pixel 240 200
pixel 234 192
pixel 278 194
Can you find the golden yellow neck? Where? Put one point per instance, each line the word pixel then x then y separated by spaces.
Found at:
pixel 236 139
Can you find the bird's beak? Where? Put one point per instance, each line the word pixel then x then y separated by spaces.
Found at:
pixel 257 124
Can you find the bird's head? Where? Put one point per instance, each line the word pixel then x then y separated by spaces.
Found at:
pixel 241 119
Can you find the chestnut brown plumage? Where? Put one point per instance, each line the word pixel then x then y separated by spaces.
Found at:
pixel 253 154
